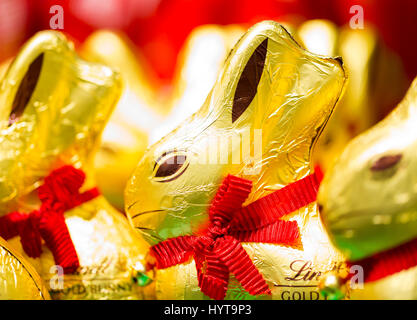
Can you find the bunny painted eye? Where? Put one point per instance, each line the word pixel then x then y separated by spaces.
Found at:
pixel 25 90
pixel 170 166
pixel 386 162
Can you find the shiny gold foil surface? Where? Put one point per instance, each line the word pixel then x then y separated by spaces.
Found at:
pixel 372 69
pixel 126 135
pixel 142 116
pixel 272 98
pixel 369 197
pixel 54 107
pixel 18 279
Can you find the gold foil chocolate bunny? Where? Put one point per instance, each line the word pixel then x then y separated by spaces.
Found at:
pixel 18 279
pixel 54 107
pixel 368 205
pixel 271 99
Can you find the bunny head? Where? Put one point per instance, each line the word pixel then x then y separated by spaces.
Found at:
pixel 53 109
pixel 272 100
pixel 369 93
pixel 369 198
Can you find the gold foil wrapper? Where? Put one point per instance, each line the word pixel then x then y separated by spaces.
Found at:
pixel 368 197
pixel 126 135
pixel 18 279
pixel 279 106
pixel 372 69
pixel 142 116
pixel 399 286
pixel 54 107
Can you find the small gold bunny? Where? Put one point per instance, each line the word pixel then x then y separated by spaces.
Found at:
pixel 54 107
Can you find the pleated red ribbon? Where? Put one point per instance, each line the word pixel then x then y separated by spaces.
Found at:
pixel 217 251
pixel 59 193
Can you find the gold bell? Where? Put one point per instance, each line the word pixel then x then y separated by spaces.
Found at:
pixel 332 286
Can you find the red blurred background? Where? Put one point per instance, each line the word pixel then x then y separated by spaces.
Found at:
pixel 160 27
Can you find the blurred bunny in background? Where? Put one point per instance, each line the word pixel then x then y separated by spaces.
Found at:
pixel 368 204
pixel 144 114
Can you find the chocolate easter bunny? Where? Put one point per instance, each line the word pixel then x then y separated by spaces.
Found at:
pixel 195 198
pixel 54 107
pixel 368 206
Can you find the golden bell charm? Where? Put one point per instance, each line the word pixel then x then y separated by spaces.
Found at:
pixel 274 97
pixel 332 286
pixel 54 107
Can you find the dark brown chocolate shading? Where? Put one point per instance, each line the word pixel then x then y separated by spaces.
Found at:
pixel 249 79
pixel 168 168
pixel 26 88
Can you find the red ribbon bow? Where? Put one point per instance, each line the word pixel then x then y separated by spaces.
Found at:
pixel 218 251
pixel 59 193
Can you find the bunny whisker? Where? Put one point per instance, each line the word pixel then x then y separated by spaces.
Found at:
pixel 145 212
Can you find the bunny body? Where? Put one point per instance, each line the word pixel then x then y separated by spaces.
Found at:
pixel 54 108
pixel 274 97
pixel 291 273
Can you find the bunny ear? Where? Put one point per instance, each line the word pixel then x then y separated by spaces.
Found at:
pixel 249 79
pixel 26 88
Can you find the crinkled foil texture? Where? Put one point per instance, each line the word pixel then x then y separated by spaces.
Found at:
pixel 294 98
pixel 291 274
pixel 18 279
pixel 143 115
pixel 108 250
pixel 61 121
pixel 60 125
